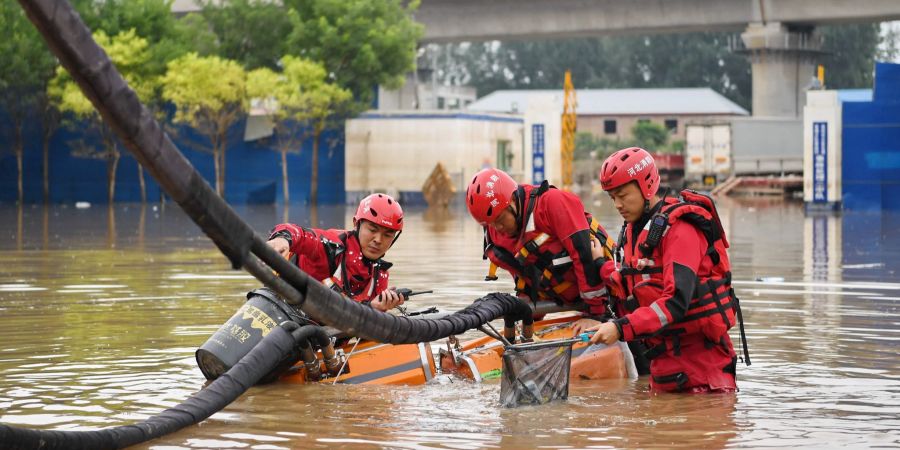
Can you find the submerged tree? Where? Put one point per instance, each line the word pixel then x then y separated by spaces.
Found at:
pixel 210 95
pixel 129 53
pixel 26 69
pixel 306 103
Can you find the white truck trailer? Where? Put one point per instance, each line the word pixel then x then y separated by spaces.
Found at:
pixel 707 155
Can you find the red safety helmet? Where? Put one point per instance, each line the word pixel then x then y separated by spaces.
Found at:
pixel 630 164
pixel 489 193
pixel 380 209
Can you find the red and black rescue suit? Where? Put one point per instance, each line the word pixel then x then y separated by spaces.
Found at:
pixel 676 277
pixel 335 258
pixel 551 259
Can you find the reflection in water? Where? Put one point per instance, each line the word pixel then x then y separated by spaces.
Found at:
pixel 822 246
pixel 437 218
pixel 111 226
pixel 19 226
pixel 101 311
pixel 45 229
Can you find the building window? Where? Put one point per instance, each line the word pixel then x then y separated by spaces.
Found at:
pixel 609 126
pixel 440 103
pixel 672 125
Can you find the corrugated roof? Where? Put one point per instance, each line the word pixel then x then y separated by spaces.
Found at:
pixel 615 102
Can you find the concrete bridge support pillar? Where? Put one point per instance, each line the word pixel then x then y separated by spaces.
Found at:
pixel 783 63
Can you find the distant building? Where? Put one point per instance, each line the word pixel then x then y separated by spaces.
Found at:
pixel 611 113
pixel 421 92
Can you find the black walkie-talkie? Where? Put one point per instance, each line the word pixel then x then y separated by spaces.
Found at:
pixel 658 225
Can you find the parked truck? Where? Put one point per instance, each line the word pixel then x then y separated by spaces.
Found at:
pixel 707 154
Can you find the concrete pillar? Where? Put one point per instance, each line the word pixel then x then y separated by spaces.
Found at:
pixel 822 151
pixel 783 64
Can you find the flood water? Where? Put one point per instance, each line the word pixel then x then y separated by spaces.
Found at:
pixel 101 311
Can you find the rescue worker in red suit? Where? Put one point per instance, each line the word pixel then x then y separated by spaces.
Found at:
pixel 349 261
pixel 542 236
pixel 670 280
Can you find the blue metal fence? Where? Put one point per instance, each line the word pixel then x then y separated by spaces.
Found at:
pixel 252 169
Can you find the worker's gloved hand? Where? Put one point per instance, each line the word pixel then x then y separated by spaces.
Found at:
pixel 387 300
pixel 612 279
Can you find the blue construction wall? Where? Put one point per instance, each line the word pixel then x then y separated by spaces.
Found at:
pixel 252 169
pixel 871 145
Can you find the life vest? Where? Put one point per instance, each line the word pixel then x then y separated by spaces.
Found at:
pixel 541 266
pixel 713 307
pixel 352 274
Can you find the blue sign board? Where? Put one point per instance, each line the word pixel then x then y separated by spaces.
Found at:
pixel 537 153
pixel 820 162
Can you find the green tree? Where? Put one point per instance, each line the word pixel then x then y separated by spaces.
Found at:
pixel 209 94
pixel 585 144
pixel 307 105
pixel 251 32
pixel 27 67
pixel 850 52
pixel 361 43
pixel 153 20
pixel 703 59
pixel 669 60
pixel 168 38
pixel 129 52
pixel 649 135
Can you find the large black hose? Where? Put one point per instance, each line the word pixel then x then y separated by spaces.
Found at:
pixel 306 339
pixel 217 395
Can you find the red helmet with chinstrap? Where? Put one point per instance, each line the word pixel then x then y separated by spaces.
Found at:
pixel 627 165
pixel 488 194
pixel 380 209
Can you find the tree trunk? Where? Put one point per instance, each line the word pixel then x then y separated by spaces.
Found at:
pixel 112 162
pixel 50 124
pixel 216 169
pixel 141 182
pixel 46 151
pixel 284 177
pixel 19 149
pixel 314 169
pixel 222 142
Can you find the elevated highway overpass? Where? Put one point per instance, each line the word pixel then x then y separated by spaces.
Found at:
pixel 778 35
pixel 473 20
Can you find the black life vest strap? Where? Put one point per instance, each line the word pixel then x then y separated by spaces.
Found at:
pixel 628 271
pixel 740 317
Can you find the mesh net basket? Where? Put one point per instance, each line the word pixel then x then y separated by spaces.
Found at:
pixel 535 373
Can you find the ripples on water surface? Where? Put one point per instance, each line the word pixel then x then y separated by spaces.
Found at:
pixel 101 311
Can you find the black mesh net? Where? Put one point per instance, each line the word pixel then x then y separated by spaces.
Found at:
pixel 536 373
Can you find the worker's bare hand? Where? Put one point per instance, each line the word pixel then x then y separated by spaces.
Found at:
pixel 280 245
pixel 606 333
pixel 583 325
pixel 387 300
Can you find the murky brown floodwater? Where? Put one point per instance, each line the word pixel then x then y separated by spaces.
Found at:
pixel 100 314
